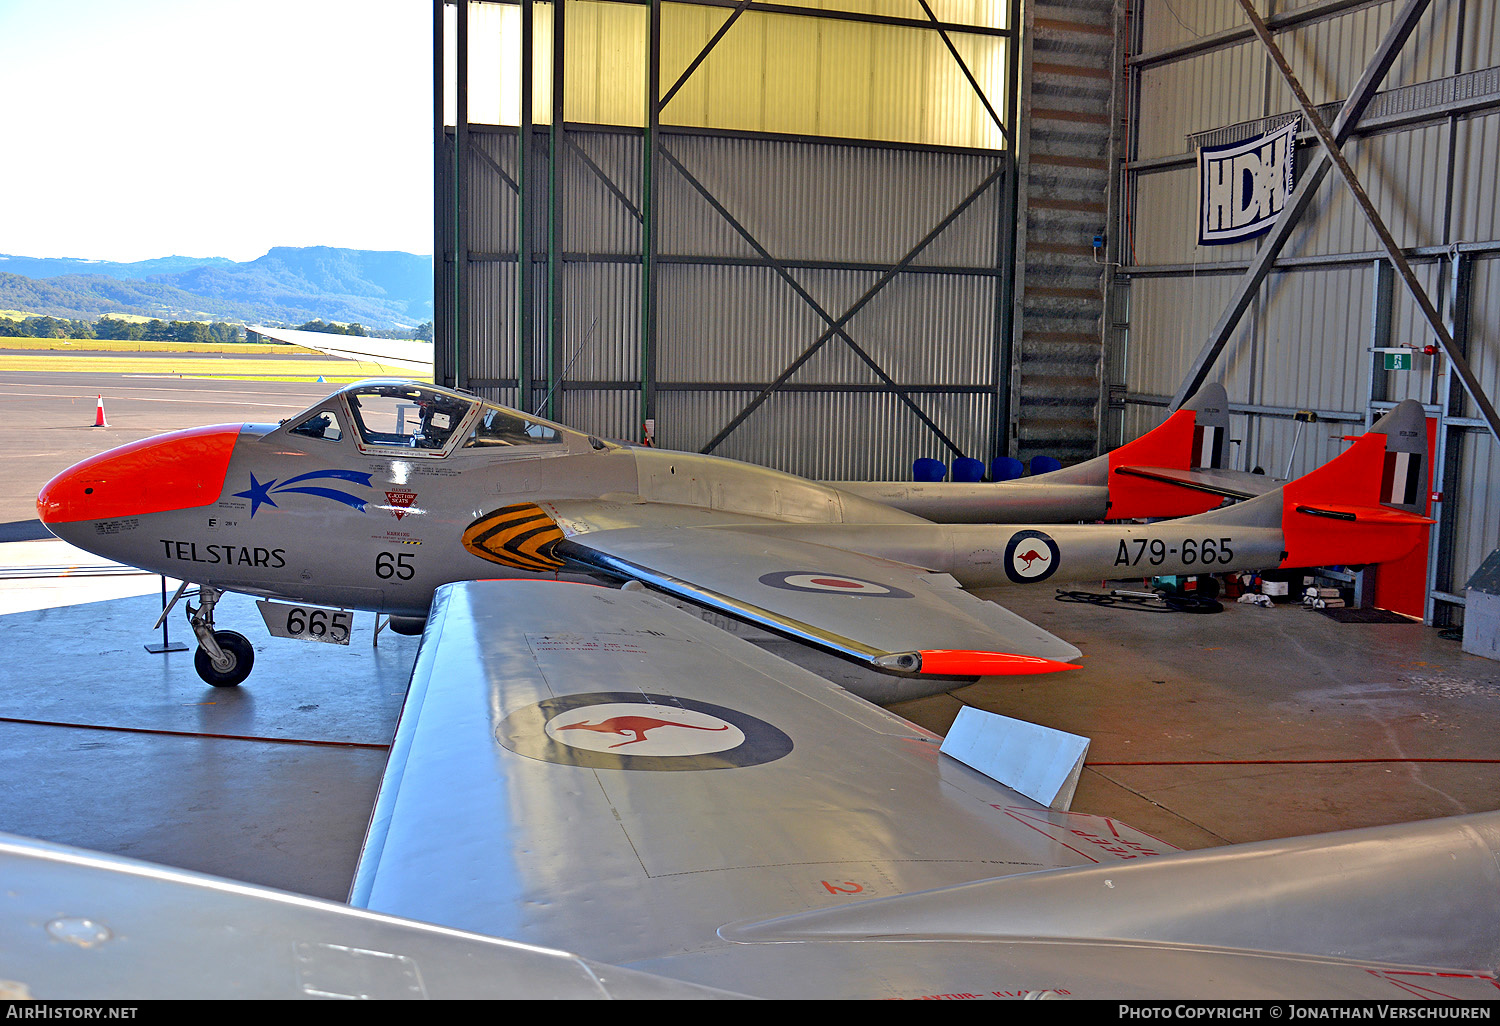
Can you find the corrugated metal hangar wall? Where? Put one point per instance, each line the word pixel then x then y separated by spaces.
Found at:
pixel 798 249
pixel 1293 321
pixel 834 239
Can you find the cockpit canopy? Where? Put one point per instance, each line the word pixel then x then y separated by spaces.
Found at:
pixel 406 416
pixel 420 419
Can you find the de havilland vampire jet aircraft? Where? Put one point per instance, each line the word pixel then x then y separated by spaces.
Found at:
pixel 593 794
pixel 386 490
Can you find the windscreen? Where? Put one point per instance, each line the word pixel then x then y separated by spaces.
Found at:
pixel 407 416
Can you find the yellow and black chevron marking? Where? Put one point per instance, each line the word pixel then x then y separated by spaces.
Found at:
pixel 520 536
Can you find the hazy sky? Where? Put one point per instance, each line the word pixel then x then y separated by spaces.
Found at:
pixel 146 128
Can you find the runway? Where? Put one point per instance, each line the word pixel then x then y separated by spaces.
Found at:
pixel 1205 730
pixel 47 418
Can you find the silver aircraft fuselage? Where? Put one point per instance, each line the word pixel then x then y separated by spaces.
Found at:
pixel 346 514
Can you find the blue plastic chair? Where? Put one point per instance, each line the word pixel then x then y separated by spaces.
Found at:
pixel 1044 465
pixel 1006 468
pixel 967 469
pixel 927 469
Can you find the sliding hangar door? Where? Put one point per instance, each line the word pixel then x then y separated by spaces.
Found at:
pixel 777 233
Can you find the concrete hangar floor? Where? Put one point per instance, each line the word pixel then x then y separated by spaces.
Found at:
pixel 1210 729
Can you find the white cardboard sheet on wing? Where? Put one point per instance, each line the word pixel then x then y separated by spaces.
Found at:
pixel 1039 762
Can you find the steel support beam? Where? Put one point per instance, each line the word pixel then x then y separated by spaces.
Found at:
pixel 650 146
pixel 526 176
pixel 1284 22
pixel 1460 365
pixel 1004 343
pixel 1382 315
pixel 442 159
pixel 554 214
pixel 888 383
pixel 834 14
pixel 608 182
pixel 460 238
pixel 1447 470
pixel 1307 186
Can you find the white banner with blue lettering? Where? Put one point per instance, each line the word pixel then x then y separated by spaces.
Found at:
pixel 1243 186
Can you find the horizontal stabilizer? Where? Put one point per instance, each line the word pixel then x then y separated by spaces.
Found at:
pixel 1191 442
pixel 1364 506
pixel 1228 484
pixel 1365 514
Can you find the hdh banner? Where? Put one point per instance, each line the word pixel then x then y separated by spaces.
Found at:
pixel 1243 186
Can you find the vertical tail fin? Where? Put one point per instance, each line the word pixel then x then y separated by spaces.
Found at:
pixel 1366 505
pixel 1407 476
pixel 1210 406
pixel 1193 438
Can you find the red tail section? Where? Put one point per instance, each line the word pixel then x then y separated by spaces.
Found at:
pixel 1171 446
pixel 1345 512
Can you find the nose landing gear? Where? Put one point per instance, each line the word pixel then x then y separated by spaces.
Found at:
pixel 224 658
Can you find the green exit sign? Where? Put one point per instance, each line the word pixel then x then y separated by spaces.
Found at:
pixel 1398 361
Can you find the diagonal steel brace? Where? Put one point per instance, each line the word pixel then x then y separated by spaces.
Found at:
pixel 1456 359
pixel 835 326
pixel 1307 185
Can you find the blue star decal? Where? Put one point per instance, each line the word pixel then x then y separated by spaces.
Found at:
pixel 257 494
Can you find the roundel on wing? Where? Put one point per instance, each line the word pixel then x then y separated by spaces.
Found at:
pixel 634 731
pixel 1030 556
pixel 520 535
pixel 830 584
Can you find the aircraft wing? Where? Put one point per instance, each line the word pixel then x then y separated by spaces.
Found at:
pixel 410 356
pixel 78 925
pixel 889 616
pixel 592 770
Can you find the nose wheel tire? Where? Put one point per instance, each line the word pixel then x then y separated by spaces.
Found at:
pixel 241 655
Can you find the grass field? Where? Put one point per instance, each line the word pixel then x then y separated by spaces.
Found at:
pixel 95 345
pixel 223 362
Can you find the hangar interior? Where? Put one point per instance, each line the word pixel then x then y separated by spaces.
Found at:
pixel 833 239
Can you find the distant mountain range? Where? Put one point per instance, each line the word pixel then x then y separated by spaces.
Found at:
pixel 286 286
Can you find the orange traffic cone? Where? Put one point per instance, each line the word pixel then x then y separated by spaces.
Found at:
pixel 99 420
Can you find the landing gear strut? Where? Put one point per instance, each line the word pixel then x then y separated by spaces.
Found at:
pixel 224 658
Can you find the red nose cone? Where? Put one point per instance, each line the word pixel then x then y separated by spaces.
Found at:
pixel 175 471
